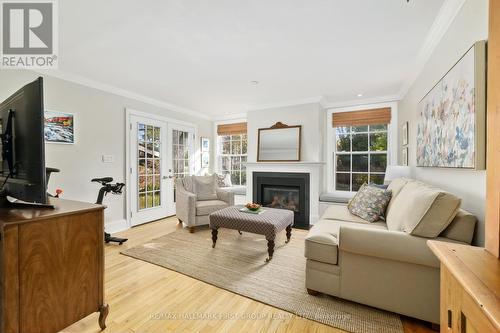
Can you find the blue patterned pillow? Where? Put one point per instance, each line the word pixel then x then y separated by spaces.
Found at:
pixel 370 203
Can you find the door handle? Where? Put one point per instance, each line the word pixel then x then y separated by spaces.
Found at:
pixel 167 177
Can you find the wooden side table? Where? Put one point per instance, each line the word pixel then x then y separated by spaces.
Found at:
pixel 470 288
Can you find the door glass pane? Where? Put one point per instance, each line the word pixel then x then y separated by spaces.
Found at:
pixel 148 166
pixel 181 154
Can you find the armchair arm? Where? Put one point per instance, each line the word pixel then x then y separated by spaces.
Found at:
pixel 226 196
pixel 185 205
pixel 391 245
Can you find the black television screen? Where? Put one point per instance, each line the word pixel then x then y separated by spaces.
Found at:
pixel 23 144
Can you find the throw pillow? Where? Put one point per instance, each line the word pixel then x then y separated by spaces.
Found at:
pixel 204 187
pixel 422 210
pixel 370 203
pixel 223 180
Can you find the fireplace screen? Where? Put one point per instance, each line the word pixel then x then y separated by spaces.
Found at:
pixel 281 197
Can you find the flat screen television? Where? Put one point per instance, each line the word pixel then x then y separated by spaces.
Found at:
pixel 22 174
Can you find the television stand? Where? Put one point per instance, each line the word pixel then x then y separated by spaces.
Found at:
pixel 9 202
pixel 52 267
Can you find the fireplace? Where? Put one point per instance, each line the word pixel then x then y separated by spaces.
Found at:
pixel 284 191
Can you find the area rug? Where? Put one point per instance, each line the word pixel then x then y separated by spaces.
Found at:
pixel 237 264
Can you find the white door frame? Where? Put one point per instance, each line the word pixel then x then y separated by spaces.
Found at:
pixel 132 112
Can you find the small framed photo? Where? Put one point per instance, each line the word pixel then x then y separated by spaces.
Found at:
pixel 205 159
pixel 404 133
pixel 404 156
pixel 205 144
pixel 59 127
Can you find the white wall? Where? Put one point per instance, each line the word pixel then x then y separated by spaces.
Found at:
pixel 99 129
pixel 310 116
pixel 469 26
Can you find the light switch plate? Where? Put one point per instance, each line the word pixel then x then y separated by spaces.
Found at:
pixel 108 158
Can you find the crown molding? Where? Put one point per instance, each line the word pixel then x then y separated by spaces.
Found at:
pixel 309 100
pixel 364 101
pixel 446 15
pixel 232 116
pixel 121 92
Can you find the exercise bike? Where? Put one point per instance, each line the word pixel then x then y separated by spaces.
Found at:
pixel 108 187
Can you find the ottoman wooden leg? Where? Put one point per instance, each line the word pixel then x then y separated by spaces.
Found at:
pixel 214 237
pixel 288 233
pixel 270 249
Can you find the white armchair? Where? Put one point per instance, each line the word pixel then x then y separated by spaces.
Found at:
pixel 197 197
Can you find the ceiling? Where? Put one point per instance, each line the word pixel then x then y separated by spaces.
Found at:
pixel 202 55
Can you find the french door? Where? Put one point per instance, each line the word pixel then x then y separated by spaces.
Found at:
pixel 159 152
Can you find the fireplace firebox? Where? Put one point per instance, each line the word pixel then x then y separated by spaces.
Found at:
pixel 284 191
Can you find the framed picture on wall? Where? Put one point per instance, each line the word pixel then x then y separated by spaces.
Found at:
pixel 59 127
pixel 404 133
pixel 205 159
pixel 205 144
pixel 451 126
pixel 404 156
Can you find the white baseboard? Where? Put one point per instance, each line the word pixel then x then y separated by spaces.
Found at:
pixel 116 226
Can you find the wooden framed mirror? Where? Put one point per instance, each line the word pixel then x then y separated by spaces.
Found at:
pixel 279 143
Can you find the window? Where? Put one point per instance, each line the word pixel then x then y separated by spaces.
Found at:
pixel 360 156
pixel 232 156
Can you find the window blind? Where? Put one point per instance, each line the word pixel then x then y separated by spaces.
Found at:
pixel 232 129
pixel 364 117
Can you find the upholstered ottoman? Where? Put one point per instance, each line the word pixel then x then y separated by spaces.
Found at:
pixel 268 223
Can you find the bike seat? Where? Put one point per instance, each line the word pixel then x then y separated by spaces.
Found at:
pixel 103 180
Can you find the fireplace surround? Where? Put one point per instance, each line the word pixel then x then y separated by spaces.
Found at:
pixel 284 190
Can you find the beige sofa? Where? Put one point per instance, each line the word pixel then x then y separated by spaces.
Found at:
pixel 350 258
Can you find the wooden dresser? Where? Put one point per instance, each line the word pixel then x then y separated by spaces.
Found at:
pixel 51 266
pixel 470 288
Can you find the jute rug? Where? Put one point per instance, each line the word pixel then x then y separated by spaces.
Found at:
pixel 237 264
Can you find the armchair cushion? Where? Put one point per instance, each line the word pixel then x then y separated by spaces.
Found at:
pixel 205 187
pixel 207 207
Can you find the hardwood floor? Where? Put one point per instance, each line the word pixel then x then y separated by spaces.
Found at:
pixel 148 298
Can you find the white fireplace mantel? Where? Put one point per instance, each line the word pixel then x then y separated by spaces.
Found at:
pixel 314 169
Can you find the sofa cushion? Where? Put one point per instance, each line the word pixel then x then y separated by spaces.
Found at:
pixel 395 186
pixel 341 213
pixel 223 180
pixel 207 207
pixel 205 187
pixel 461 228
pixel 422 210
pixel 370 203
pixel 321 243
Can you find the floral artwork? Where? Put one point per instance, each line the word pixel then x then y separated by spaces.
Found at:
pixel 446 130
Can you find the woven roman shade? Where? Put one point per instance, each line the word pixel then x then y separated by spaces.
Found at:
pixel 232 129
pixel 363 117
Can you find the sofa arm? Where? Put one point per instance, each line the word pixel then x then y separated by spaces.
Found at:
pixel 226 196
pixel 185 206
pixel 391 245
